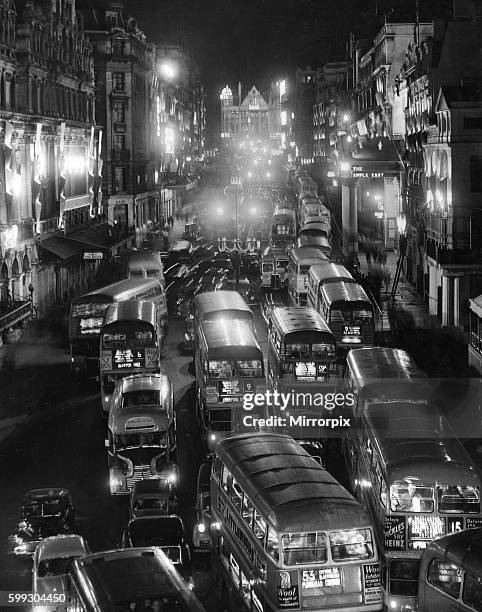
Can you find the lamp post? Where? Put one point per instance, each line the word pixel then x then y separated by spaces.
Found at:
pixel 402 251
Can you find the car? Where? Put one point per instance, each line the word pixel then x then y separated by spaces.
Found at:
pixel 50 565
pixel 187 343
pixel 201 537
pixel 43 513
pixel 165 532
pixel 244 287
pixel 152 497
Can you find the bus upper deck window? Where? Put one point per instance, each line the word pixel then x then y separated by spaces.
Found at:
pixel 259 527
pixel 349 545
pixel 320 350
pixel 272 544
pixel 408 497
pixel 297 351
pixel 220 369
pixel 252 368
pixel 301 548
pixel 458 499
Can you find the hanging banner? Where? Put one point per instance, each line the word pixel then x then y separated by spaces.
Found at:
pixel 37 138
pixel 62 135
pixel 99 150
pixel 8 134
pixel 91 145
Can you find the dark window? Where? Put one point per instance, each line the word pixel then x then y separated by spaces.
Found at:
pixel 472 123
pixel 472 594
pixel 119 112
pixel 118 47
pixel 118 81
pixel 476 174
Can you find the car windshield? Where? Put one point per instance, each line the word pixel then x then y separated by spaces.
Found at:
pixel 53 567
pixel 151 503
pixel 142 398
pixel 404 577
pixel 45 507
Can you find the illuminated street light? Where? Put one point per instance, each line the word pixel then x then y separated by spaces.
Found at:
pixel 168 70
pixel 250 174
pixel 401 224
pixel 346 117
pixel 219 210
pixel 345 166
pixel 268 175
pixel 253 210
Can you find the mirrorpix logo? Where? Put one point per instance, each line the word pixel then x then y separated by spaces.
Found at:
pixel 294 400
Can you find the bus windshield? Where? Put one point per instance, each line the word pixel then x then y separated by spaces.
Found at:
pixel 404 577
pixel 311 547
pixel 229 369
pixel 458 499
pixel 135 440
pixel 408 497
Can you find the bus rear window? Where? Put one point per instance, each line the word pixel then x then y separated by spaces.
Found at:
pixel 268 267
pixel 304 548
pixel 114 340
pixel 350 545
pixel 404 577
pixel 221 369
pixel 321 350
pixel 458 499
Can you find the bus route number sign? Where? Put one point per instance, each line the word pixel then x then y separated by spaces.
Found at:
pixel 128 359
pixel 321 578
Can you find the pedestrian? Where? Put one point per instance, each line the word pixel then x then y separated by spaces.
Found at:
pixel 31 290
pixel 368 256
pixel 384 258
pixel 380 257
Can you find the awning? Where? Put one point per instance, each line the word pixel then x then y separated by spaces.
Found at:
pixel 102 236
pixel 61 247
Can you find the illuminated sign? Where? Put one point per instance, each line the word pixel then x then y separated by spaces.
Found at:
pixel 350 330
pixel 358 172
pixel 321 578
pixel 91 325
pixel 422 529
pixel 93 255
pixel 128 358
pixel 229 389
pixel 305 370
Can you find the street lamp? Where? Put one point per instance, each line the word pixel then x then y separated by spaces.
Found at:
pixel 402 250
pixel 401 224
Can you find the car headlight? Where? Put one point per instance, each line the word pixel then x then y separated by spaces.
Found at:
pixel 201 527
pixel 117 481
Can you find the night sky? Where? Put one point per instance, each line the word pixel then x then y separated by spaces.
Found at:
pixel 259 41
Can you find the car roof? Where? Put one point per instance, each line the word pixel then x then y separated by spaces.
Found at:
pixel 62 546
pixel 38 494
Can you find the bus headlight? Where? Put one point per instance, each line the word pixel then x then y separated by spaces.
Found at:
pixel 212 437
pixel 172 478
pixel 201 527
pixel 117 481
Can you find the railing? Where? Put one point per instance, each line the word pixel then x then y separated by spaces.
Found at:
pixel 48 226
pixel 17 311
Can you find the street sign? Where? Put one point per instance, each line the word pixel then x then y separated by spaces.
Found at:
pixel 93 255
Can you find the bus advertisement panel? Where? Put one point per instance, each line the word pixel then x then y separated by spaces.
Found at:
pixel 229 365
pixel 130 341
pixel 286 534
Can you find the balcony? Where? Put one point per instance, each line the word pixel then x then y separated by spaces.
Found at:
pixel 14 313
pixel 120 155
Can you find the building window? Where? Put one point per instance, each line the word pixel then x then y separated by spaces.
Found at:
pixel 118 47
pixel 476 174
pixel 119 81
pixel 119 142
pixel 120 179
pixel 119 112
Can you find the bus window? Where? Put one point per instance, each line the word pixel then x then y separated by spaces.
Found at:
pixel 408 497
pixel 459 499
pixel 226 480
pixel 220 369
pixel 114 341
pixel 272 544
pixel 268 267
pixel 350 545
pixel 236 495
pixel 252 369
pixel 445 576
pixel 259 527
pixel 295 351
pixel 247 511
pixel 304 548
pixel 404 577
pixel 320 350
pixel 472 593
pixel 144 338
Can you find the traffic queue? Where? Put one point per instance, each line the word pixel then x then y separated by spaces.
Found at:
pixel 281 530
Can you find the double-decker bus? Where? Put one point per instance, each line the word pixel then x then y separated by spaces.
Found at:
pixel 286 534
pixel 319 243
pixel 145 264
pixel 450 577
pixel 349 312
pixel 223 305
pixel 141 432
pixel 300 260
pixel 131 339
pixel 405 464
pixel 128 579
pixel 274 268
pixel 417 481
pixel 283 227
pixel 314 210
pixel 315 229
pixel 87 316
pixel 325 273
pixel 229 364
pixel 301 359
